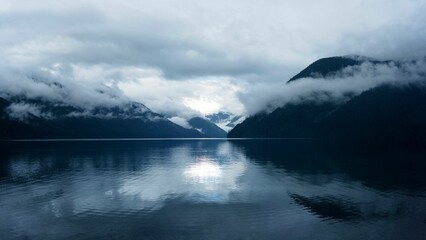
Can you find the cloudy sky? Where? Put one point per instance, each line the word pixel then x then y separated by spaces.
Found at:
pixel 207 56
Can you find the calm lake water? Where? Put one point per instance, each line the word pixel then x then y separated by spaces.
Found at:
pixel 209 189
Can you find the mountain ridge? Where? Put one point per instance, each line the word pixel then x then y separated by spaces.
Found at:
pixel 35 118
pixel 388 113
pixel 330 66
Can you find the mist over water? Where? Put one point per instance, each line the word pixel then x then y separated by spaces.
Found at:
pixel 209 189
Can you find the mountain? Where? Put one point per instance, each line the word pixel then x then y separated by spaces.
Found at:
pixel 225 120
pixel 387 114
pixel 329 67
pixel 291 121
pixel 34 118
pixel 326 66
pixel 207 128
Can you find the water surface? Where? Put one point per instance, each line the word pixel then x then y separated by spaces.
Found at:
pixel 209 189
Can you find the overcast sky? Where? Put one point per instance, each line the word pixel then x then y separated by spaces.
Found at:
pixel 205 55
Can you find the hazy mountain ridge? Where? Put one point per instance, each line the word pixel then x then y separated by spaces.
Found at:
pixel 332 67
pixel 51 109
pixel 325 67
pixel 390 112
pixel 36 118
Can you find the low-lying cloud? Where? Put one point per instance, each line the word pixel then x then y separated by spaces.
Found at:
pixel 59 83
pixel 23 111
pixel 340 87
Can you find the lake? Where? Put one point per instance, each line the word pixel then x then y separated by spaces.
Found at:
pixel 209 189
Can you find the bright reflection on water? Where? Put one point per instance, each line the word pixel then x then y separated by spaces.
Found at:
pixel 204 172
pixel 209 189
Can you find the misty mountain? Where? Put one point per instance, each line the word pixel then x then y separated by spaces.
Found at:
pixel 332 66
pixel 225 120
pixel 291 121
pixel 34 118
pixel 388 113
pixel 325 67
pixel 207 128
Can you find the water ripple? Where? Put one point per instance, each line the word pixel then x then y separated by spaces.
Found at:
pixel 201 190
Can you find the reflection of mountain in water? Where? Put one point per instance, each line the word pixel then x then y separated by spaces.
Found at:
pixel 335 208
pixel 385 170
pixel 328 207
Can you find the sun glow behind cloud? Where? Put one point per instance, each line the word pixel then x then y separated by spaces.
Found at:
pixel 185 98
pixel 202 105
